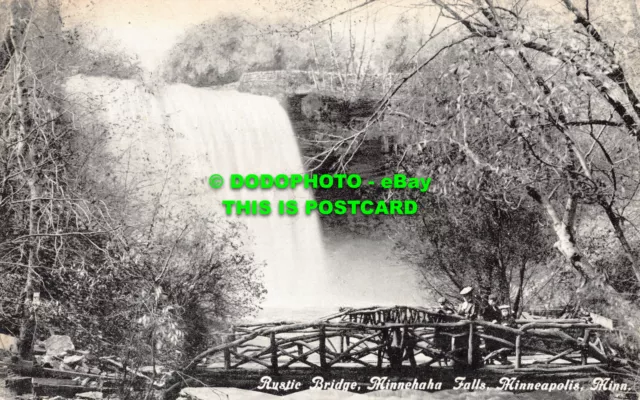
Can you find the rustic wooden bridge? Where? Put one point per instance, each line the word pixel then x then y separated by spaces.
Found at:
pixel 405 343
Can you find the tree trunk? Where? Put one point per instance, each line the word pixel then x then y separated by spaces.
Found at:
pixel 28 323
pixel 619 232
pixel 518 300
pixel 563 228
pixel 27 165
pixel 14 32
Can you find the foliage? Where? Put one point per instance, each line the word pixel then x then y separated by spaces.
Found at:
pixel 468 241
pixel 131 290
pixel 534 109
pixel 219 51
pixel 93 52
pixel 344 55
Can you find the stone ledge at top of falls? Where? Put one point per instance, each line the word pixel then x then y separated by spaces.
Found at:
pixel 290 87
pixel 490 394
pixel 330 83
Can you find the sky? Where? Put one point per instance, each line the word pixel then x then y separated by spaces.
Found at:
pixel 148 28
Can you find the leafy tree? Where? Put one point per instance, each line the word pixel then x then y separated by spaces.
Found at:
pixel 51 225
pixel 469 241
pixel 219 51
pixel 534 107
pixel 71 260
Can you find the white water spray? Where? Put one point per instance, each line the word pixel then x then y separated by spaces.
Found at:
pixel 198 132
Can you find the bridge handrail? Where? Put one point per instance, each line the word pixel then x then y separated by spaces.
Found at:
pixel 288 328
pixel 321 330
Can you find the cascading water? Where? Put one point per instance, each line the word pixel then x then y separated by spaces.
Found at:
pixel 192 133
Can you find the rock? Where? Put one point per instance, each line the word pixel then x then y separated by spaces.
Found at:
pixel 82 368
pixel 64 367
pixel 72 360
pixel 89 395
pixel 58 345
pixel 48 362
pixel 8 343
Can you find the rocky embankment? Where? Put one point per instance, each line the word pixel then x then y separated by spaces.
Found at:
pixel 59 371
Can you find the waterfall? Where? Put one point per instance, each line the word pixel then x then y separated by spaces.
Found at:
pixel 191 133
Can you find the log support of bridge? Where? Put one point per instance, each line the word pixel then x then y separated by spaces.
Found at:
pixel 518 351
pixel 471 348
pixel 274 353
pixel 585 346
pixel 231 337
pixel 322 348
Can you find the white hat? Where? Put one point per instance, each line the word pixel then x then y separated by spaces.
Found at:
pixel 504 307
pixel 466 290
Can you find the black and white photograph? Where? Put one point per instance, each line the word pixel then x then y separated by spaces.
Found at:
pixel 319 199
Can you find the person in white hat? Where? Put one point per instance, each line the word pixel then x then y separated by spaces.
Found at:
pixel 468 309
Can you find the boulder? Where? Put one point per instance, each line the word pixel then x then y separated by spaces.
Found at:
pixel 58 345
pixel 8 343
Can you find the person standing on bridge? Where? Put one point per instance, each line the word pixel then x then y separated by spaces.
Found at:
pixel 506 316
pixel 444 307
pixel 469 308
pixel 491 313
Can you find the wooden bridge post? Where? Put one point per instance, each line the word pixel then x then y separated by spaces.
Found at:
pixel 518 352
pixel 322 348
pixel 410 345
pixel 232 338
pixel 470 350
pixel 384 336
pixel 227 352
pixel 585 346
pixel 274 353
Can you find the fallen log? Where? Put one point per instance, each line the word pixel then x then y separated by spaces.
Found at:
pixel 30 370
pixel 126 369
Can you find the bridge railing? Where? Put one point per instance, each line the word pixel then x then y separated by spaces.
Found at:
pixel 396 336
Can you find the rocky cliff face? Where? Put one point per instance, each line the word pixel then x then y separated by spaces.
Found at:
pixel 317 107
